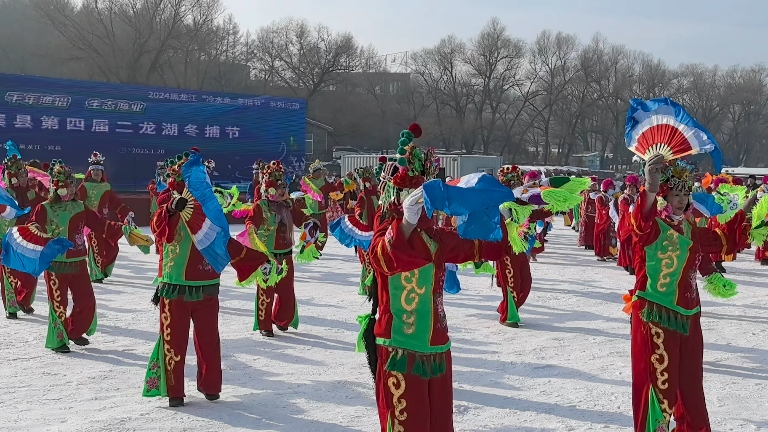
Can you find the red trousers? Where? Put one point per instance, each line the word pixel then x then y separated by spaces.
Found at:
pixel 175 316
pixel 602 242
pixel 78 285
pixel 625 252
pixel 762 252
pixel 513 275
pixel 277 304
pixel 410 403
pixel 17 289
pixel 670 364
pixel 323 219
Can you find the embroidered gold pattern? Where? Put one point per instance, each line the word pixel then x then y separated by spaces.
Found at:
pixel 95 249
pixel 661 376
pixel 381 257
pixel 411 292
pixel 61 311
pixel 170 355
pixel 509 273
pixel 723 240
pixel 668 256
pixel 263 301
pixel 173 251
pixel 396 385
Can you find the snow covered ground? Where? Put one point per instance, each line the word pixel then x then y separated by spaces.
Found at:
pixel 566 369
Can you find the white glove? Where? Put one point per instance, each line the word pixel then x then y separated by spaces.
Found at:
pixel 131 215
pixel 413 205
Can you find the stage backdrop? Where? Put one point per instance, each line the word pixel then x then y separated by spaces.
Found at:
pixel 137 126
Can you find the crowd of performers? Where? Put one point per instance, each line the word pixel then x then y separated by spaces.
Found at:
pixel 652 227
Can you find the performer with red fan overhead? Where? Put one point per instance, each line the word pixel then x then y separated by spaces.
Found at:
pixel 624 230
pixel 97 194
pixel 667 346
pixel 64 216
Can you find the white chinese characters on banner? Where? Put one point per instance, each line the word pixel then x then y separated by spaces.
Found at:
pixel 51 123
pixel 147 128
pixel 23 121
pixel 47 122
pixel 96 104
pixel 75 124
pixel 36 99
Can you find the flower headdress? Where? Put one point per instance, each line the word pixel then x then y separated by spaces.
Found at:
pixel 61 177
pixel 511 176
pixel 316 166
pixel 272 178
pixel 258 166
pixel 410 170
pixel 13 165
pixel 365 176
pixel 96 160
pixel 678 175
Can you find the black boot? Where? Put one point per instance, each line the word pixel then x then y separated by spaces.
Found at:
pixel 719 267
pixel 64 349
pixel 209 396
pixel 281 328
pixel 81 341
pixel 175 402
pixel 11 315
pixel 631 271
pixel 267 333
pixel 27 310
pixel 764 262
pixel 511 324
pixel 98 281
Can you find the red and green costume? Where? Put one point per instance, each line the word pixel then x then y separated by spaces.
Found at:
pixel 187 291
pixel 414 389
pixel 365 212
pixel 68 273
pixel 102 253
pixel 624 230
pixel 317 206
pixel 275 302
pixel 19 288
pixel 667 344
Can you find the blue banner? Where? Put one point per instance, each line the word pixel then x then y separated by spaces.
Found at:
pixel 136 126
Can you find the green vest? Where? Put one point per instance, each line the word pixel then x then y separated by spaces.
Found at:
pixel 176 258
pixel 94 193
pixel 57 222
pixel 664 262
pixel 268 229
pixel 412 306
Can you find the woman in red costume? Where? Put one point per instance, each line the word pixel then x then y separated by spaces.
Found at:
pixel 63 215
pixel 603 222
pixel 587 213
pixel 365 211
pixel 667 344
pixel 513 272
pixel 624 230
pixel 97 194
pixel 18 288
pixel 408 345
pixel 318 188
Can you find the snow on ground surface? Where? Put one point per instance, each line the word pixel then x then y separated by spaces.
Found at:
pixel 566 369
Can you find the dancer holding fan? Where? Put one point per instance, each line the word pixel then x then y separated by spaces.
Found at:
pixel 667 344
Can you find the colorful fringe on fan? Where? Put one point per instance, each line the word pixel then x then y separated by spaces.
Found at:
pixel 350 232
pixel 268 274
pixel 310 189
pixel 730 198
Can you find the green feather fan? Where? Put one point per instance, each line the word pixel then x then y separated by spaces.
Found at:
pixel 719 287
pixel 731 198
pixel 559 200
pixel 574 185
pixel 759 232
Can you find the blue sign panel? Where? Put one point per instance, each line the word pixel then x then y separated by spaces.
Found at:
pixel 134 127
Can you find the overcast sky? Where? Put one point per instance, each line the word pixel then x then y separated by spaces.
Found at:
pixel 724 32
